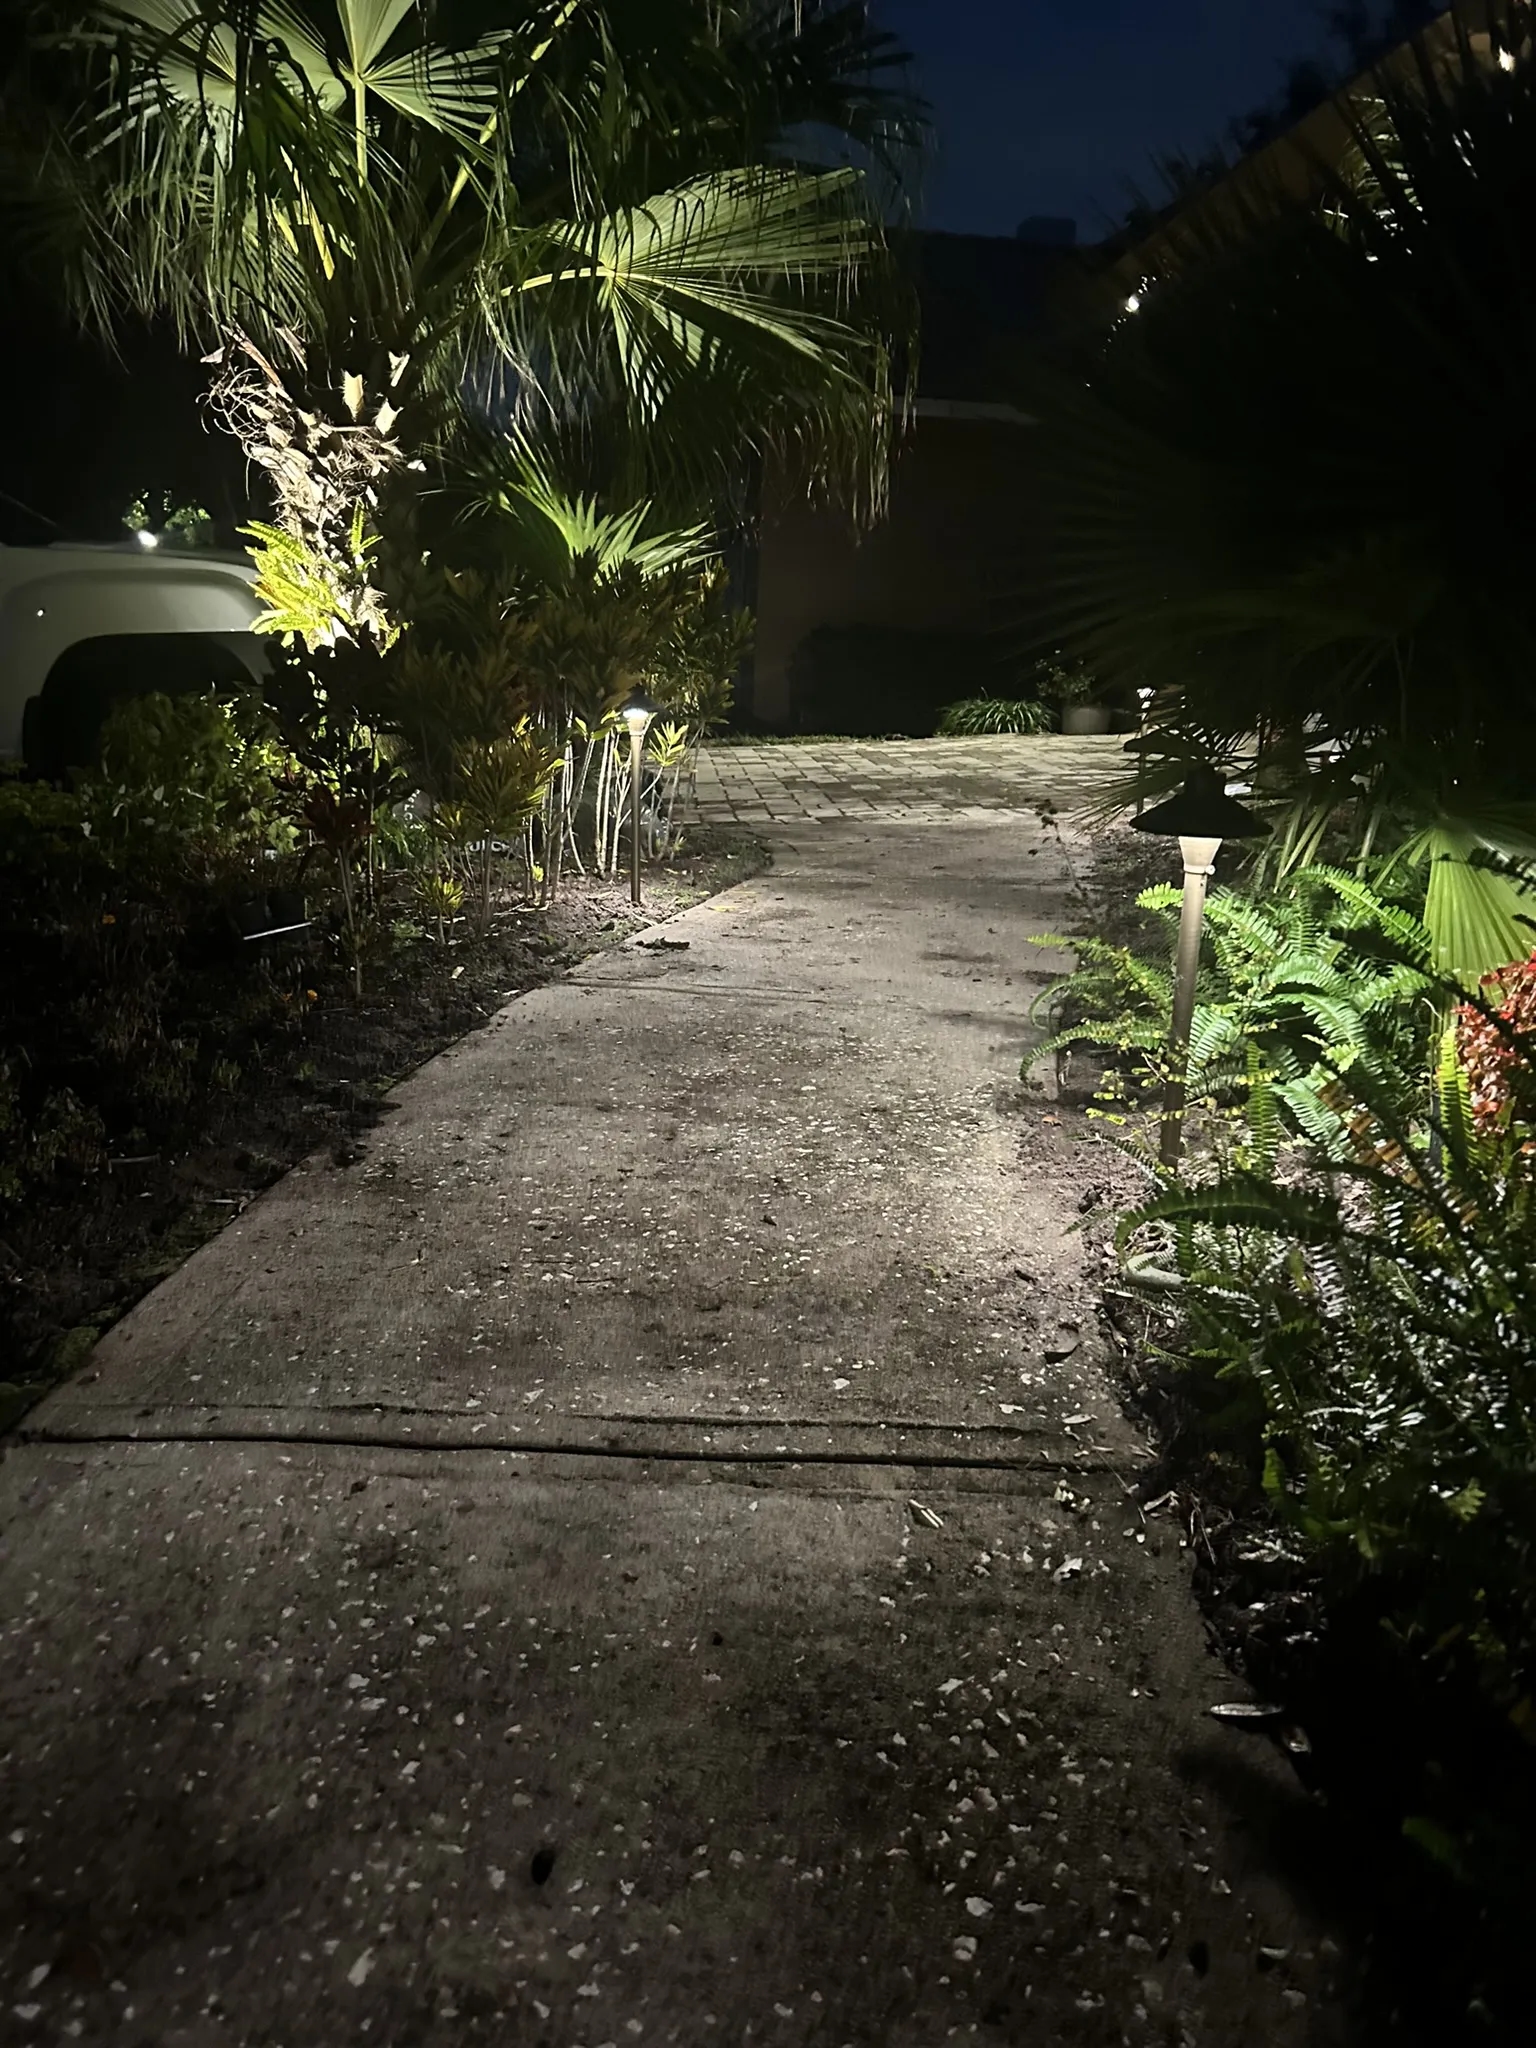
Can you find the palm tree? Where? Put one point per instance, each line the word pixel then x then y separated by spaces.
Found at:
pixel 578 210
pixel 1294 488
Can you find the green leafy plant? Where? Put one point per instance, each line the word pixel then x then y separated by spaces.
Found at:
pixel 188 786
pixel 1318 977
pixel 988 714
pixel 1340 1311
pixel 319 594
pixel 344 774
pixel 693 673
pixel 123 1005
pixel 1383 1308
pixel 401 190
pixel 186 526
pixel 45 838
pixel 42 1138
pixel 602 596
pixel 342 825
pixel 440 898
pixel 1061 679
pixel 501 784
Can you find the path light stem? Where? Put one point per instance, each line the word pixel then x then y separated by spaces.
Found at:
pixel 1200 817
pixel 1199 866
pixel 637 710
pixel 636 748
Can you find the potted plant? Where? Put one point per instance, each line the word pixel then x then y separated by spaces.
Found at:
pixel 1070 685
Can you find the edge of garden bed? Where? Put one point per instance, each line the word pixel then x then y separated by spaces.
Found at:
pixel 69 1275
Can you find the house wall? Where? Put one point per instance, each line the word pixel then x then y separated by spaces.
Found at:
pixel 951 553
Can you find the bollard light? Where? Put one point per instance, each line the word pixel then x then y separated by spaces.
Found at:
pixel 1200 817
pixel 637 711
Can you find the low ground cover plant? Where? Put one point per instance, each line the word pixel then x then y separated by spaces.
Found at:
pixel 988 714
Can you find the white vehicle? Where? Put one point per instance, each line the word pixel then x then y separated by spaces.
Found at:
pixel 83 626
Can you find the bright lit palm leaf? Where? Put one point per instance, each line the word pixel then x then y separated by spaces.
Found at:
pixel 549 532
pixel 702 269
pixel 333 169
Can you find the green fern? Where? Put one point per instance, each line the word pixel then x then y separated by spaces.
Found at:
pixel 1381 1311
pixel 1318 979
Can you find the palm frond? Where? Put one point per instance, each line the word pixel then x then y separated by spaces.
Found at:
pixel 369 176
pixel 1479 916
pixel 551 532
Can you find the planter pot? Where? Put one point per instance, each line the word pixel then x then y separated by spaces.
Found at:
pixel 1085 718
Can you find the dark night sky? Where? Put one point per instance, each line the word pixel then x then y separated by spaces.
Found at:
pixel 1051 106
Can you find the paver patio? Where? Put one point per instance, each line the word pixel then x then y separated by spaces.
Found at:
pixel 785 782
pixel 645 1553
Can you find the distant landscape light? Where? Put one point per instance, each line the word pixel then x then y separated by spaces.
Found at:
pixel 1506 60
pixel 1133 303
pixel 146 539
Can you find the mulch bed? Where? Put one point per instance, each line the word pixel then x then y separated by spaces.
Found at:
pixel 73 1263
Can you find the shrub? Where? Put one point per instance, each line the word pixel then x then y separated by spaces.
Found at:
pixel 1348 1275
pixel 1489 1037
pixel 1061 679
pixel 42 1136
pixel 115 896
pixel 1383 1308
pixel 63 726
pixel 45 843
pixel 187 788
pixel 994 714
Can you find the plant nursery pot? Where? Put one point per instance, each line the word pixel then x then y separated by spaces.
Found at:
pixel 1084 718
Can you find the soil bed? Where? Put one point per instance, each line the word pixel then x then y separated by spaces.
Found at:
pixel 313 1078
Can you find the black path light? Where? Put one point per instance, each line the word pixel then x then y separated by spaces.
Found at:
pixel 637 711
pixel 1200 817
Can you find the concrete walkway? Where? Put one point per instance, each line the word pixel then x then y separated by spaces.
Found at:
pixel 644 1555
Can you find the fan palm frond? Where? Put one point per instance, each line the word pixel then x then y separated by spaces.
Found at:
pixel 551 532
pixel 384 181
